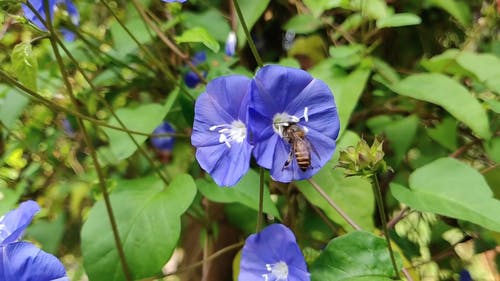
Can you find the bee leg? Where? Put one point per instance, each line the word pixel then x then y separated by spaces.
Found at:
pixel 288 161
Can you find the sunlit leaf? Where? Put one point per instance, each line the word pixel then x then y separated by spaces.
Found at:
pixel 198 35
pixel 451 188
pixel 446 92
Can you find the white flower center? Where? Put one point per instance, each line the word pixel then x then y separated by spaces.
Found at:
pixel 234 132
pixel 278 270
pixel 283 120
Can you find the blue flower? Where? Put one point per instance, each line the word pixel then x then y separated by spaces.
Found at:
pixel 220 132
pixel 272 255
pixel 191 78
pixel 165 143
pixel 172 1
pixel 40 8
pixel 230 47
pixel 465 275
pixel 283 99
pixel 22 261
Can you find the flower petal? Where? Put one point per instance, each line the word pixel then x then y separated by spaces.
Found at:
pixel 72 12
pixel 275 243
pixel 39 7
pixel 13 224
pixel 274 87
pixel 163 143
pixel 22 261
pixel 226 165
pixel 223 155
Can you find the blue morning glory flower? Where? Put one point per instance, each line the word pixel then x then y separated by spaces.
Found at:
pixel 272 255
pixel 230 47
pixel 22 261
pixel 220 132
pixel 163 143
pixel 40 8
pixel 191 78
pixel 282 99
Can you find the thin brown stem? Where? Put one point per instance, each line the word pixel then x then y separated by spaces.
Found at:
pixel 100 173
pixel 398 217
pixel 334 205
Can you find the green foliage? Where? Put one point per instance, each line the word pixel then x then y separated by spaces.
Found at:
pixel 246 192
pixel 446 92
pixel 421 77
pixel 143 118
pixel 148 217
pixel 451 188
pixel 199 35
pixel 355 256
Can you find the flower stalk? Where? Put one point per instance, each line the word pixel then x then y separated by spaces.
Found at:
pixel 251 44
pixel 383 217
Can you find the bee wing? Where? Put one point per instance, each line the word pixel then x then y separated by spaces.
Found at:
pixel 312 149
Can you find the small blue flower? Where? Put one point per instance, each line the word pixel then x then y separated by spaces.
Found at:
pixel 272 255
pixel 230 47
pixel 220 132
pixel 465 275
pixel 191 78
pixel 163 143
pixel 22 261
pixel 172 1
pixel 40 8
pixel 281 97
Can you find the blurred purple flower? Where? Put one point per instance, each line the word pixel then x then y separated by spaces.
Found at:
pixel 230 47
pixel 465 275
pixel 283 96
pixel 172 1
pixel 220 132
pixel 40 8
pixel 22 261
pixel 163 143
pixel 191 78
pixel 272 255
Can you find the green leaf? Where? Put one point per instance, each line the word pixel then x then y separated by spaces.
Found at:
pixel 317 7
pixel 355 256
pixel 401 134
pixel 144 118
pixel 11 105
pixel 347 88
pixel 303 24
pixel 373 9
pixel 492 148
pixel 246 192
pixel 25 65
pixel 212 20
pixel 451 188
pixel 446 92
pixel 348 192
pixel 396 20
pixel 458 9
pixel 252 10
pixel 348 55
pixel 148 217
pixel 199 35
pixel 445 133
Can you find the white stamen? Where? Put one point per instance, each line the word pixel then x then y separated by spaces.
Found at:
pixel 278 270
pixel 234 132
pixel 306 111
pixel 283 120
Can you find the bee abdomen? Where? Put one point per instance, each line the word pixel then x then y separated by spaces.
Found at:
pixel 303 160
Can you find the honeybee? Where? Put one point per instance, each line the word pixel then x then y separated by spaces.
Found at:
pixel 300 147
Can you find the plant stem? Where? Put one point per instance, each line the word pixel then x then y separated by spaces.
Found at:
pixel 261 200
pixel 380 203
pixel 247 34
pixel 100 173
pixel 56 107
pixel 334 205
